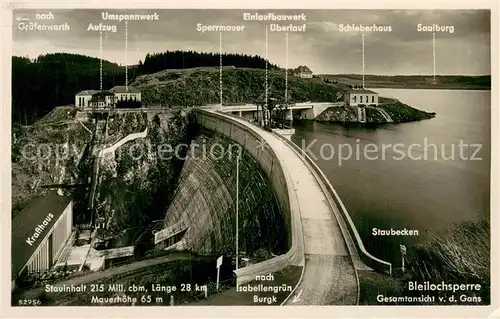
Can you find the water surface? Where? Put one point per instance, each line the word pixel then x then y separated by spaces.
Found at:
pixel 426 187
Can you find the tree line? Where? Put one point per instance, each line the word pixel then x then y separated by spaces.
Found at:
pixel 191 59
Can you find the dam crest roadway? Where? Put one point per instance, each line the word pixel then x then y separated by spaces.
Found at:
pixel 324 239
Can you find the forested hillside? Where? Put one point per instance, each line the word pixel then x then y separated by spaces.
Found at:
pixel 39 85
pixel 191 59
pixel 52 80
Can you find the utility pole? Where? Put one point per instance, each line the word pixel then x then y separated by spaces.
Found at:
pixel 237 204
pixel 286 67
pixel 219 263
pixel 403 263
pixel 220 68
pixel 403 253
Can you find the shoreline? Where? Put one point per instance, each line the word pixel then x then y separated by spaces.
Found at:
pixel 430 88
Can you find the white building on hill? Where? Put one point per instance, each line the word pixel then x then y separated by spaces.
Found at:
pixel 82 99
pixel 107 99
pixel 303 72
pixel 122 94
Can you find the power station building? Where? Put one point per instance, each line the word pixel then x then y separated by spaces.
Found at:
pixel 39 234
pixel 101 99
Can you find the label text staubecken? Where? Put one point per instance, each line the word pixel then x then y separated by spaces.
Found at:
pixel 394 232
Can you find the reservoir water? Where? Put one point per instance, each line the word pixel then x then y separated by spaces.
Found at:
pixel 421 176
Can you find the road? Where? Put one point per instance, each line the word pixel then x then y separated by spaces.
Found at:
pixel 329 276
pixel 131 268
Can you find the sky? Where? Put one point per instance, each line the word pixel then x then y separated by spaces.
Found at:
pixel 322 47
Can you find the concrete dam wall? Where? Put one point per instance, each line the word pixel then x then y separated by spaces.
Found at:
pixel 272 164
pixel 202 215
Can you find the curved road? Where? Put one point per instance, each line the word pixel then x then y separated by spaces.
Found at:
pixel 329 276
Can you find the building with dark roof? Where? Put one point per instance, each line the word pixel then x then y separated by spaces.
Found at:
pixel 102 99
pixel 124 89
pixel 87 92
pixel 39 233
pixel 303 71
pixel 357 97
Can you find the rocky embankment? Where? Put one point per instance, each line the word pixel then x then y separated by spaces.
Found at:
pixel 134 184
pixel 390 111
pixel 52 151
pixel 137 181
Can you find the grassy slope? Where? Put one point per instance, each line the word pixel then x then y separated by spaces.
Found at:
pixel 200 86
pixel 458 256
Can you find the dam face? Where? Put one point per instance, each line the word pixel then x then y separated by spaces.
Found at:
pixel 202 214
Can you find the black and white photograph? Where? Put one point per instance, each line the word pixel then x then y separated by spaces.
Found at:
pixel 251 157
